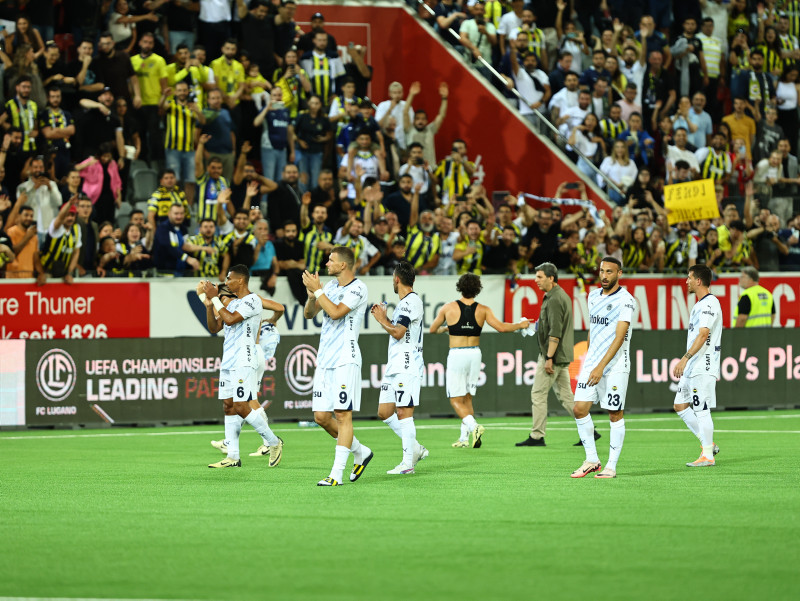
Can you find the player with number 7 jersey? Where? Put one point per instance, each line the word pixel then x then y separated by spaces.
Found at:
pixel 604 375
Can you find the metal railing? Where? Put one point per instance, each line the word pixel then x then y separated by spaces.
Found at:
pixel 541 117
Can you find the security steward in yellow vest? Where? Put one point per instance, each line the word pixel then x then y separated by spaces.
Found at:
pixel 756 308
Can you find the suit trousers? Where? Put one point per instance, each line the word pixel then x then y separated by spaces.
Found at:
pixel 542 383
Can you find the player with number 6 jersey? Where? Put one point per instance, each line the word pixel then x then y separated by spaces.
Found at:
pixel 402 379
pixel 604 375
pixel 698 369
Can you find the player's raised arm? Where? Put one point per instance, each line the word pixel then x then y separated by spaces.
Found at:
pixel 226 316
pixel 395 331
pixel 502 326
pixel 619 338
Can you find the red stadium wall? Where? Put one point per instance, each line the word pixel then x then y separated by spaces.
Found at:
pixel 402 49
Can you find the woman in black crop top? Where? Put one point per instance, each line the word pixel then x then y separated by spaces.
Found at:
pixel 463 320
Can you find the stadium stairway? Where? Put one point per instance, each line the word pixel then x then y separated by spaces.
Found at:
pixel 401 47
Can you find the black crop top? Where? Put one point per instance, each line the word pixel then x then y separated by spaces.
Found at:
pixel 466 325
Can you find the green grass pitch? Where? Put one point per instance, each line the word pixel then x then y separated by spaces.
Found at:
pixel 136 514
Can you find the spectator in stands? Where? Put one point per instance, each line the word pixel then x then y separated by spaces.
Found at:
pixel 167 194
pixel 277 129
pixel 286 30
pixel 741 251
pixel 713 162
pixel 620 169
pixel 122 26
pixel 246 176
pixel 210 180
pixel 22 232
pixel 115 70
pixel 419 129
pixel 791 238
pixel 455 172
pixel 768 173
pixel 638 141
pixel 587 138
pixel 679 151
pixel 566 98
pixel 218 136
pixel 326 68
pixel 57 128
pixel 257 34
pixel 532 84
pixel 742 126
pixel 503 257
pixel 558 75
pixel 23 113
pixel 570 39
pixel 351 234
pixel 289 252
pixel 478 37
pixel 572 117
pixel 211 247
pixel 42 194
pixel 601 98
pixel 325 194
pixel 182 118
pixel 595 71
pixel 787 93
pixel 628 103
pixel 400 201
pixel 284 203
pixel 133 250
pixel 170 248
pixel 102 183
pixel 317 239
pixel 100 126
pixel 266 264
pixel 394 107
pixel 229 74
pixel 241 246
pixel 784 192
pixel 767 243
pixel 87 259
pixel 768 132
pixel 58 255
pixel 312 131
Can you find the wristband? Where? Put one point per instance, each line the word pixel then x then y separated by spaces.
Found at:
pixel 217 303
pixel 520 201
pixel 546 358
pixel 318 293
pixel 202 297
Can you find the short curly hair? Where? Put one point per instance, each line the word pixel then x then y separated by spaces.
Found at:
pixel 469 285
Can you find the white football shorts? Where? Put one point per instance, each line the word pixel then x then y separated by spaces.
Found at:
pixel 401 389
pixel 699 391
pixel 268 339
pixel 337 388
pixel 240 384
pixel 610 391
pixel 463 371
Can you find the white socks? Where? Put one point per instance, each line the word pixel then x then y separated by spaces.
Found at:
pixel 258 419
pixel 586 433
pixel 615 445
pixel 464 432
pixel 233 425
pixel 409 437
pixel 706 427
pixel 339 462
pixel 690 419
pixel 394 424
pixel 470 423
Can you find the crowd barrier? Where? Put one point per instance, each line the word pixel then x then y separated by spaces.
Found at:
pixel 169 308
pixel 157 381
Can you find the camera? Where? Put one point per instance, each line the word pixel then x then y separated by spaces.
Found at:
pixel 33 223
pixel 192 97
pixel 419 161
pixel 480 21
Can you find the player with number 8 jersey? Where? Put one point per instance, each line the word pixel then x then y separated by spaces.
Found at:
pixel 604 375
pixel 698 369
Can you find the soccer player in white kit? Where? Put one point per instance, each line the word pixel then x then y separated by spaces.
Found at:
pixel 268 340
pixel 604 375
pixel 337 380
pixel 698 369
pixel 238 384
pixel 402 379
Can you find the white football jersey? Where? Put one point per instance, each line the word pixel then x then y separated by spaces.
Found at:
pixel 706 313
pixel 240 339
pixel 405 355
pixel 605 312
pixel 269 339
pixel 338 340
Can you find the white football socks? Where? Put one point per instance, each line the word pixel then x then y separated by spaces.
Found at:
pixel 359 450
pixel 409 438
pixel 690 419
pixel 706 425
pixel 394 423
pixel 464 432
pixel 339 462
pixel 258 419
pixel 586 433
pixel 617 437
pixel 469 422
pixel 233 425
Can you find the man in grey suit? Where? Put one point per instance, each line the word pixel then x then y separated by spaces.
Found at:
pixel 785 202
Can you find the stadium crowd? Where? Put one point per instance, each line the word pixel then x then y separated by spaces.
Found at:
pixel 181 137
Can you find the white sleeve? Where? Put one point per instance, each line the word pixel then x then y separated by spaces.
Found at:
pixel 707 316
pixel 382 109
pixel 692 248
pixel 354 297
pixel 55 233
pixel 628 307
pixel 250 306
pixel 701 154
pixel 334 112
